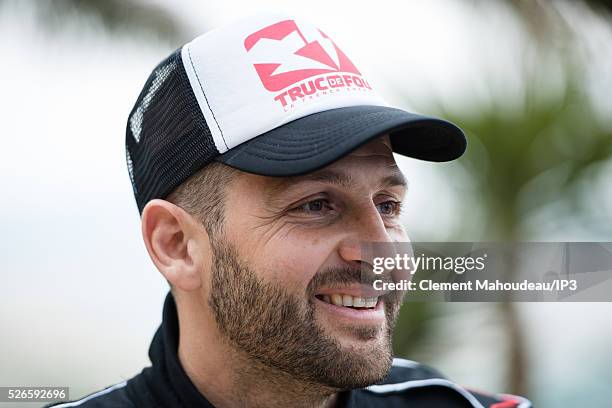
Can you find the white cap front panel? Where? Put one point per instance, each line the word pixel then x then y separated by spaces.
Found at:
pixel 260 73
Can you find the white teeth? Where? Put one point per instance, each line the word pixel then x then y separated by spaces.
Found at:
pixel 350 301
pixel 371 302
pixel 336 299
pixel 359 302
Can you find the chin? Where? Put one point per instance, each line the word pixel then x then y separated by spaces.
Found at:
pixel 354 334
pixel 363 369
pixel 365 356
pixel 362 338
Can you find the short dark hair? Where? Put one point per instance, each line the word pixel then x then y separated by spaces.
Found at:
pixel 203 195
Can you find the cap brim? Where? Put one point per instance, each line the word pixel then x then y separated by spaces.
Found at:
pixel 316 140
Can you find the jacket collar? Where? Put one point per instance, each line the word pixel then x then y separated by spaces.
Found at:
pixel 179 390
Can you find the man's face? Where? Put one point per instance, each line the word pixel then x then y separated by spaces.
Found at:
pixel 287 269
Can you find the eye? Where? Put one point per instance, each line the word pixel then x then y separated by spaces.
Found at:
pixel 389 208
pixel 315 206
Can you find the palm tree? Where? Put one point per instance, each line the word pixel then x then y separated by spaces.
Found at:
pixel 127 17
pixel 558 142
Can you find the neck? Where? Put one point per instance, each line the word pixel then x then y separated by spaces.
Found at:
pixel 229 378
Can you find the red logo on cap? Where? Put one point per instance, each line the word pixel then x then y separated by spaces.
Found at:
pixel 286 54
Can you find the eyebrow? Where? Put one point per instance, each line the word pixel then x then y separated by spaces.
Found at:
pixel 340 179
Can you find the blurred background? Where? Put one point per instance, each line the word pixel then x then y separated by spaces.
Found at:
pixel 529 81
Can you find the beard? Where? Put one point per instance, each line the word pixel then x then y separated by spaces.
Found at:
pixel 278 330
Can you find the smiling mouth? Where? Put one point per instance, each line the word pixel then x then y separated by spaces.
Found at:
pixel 353 302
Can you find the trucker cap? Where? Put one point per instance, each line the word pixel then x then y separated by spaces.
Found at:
pixel 270 95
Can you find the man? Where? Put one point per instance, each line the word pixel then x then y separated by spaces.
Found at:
pixel 261 158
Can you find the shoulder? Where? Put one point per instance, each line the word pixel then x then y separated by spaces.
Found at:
pixel 112 396
pixel 410 382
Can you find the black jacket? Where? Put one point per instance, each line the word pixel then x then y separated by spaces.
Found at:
pixel 165 384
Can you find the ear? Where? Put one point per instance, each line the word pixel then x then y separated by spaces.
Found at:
pixel 176 242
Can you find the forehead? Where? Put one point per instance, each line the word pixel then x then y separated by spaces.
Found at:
pixel 378 146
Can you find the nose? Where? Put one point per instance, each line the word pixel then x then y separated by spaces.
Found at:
pixel 365 227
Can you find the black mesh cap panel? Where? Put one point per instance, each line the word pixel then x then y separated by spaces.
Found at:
pixel 167 138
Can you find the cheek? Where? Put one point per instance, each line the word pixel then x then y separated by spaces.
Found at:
pixel 398 234
pixel 292 263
